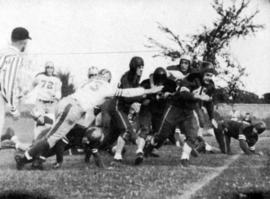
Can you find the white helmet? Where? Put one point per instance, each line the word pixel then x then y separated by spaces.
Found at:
pixel 185 57
pixel 105 74
pixel 92 71
pixel 49 64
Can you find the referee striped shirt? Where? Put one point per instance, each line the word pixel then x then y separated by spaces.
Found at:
pixel 10 62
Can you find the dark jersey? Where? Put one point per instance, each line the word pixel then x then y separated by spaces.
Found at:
pixel 128 80
pixel 209 89
pixel 183 97
pixel 157 105
pixel 240 130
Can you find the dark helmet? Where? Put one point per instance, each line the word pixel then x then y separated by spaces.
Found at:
pixel 134 63
pixel 260 127
pixel 159 76
pixel 208 67
pixel 94 136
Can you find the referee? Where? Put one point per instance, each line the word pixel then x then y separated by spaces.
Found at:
pixel 11 59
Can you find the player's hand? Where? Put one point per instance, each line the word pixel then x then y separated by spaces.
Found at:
pixel 214 123
pixel 146 102
pixel 15 113
pixel 40 120
pixel 202 97
pixel 155 89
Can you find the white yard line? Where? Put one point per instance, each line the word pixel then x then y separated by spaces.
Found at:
pixel 194 187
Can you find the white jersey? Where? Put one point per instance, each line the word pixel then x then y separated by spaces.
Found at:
pixel 48 88
pixel 96 90
pixel 10 62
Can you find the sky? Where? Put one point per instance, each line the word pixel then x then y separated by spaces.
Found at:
pixel 108 33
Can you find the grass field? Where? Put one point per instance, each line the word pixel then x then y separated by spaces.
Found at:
pixel 209 176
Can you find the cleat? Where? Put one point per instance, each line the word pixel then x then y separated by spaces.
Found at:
pixel 195 153
pixel 148 149
pixel 139 158
pixel 124 151
pixel 185 162
pixel 116 162
pixel 57 165
pixel 20 161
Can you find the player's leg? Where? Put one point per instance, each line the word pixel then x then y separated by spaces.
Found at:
pixel 144 121
pixel 65 121
pixel 125 129
pixel 221 139
pixel 38 113
pixel 189 126
pixel 167 125
pixel 202 123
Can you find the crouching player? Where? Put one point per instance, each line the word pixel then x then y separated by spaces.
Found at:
pixel 247 134
pixel 87 138
pixel 73 108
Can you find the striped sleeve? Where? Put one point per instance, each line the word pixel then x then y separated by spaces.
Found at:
pixel 9 72
pixel 252 148
pixel 130 92
pixel 242 137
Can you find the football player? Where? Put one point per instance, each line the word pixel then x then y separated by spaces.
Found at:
pixel 152 108
pixel 48 91
pixel 207 87
pixel 247 135
pixel 180 112
pixel 182 70
pixel 71 109
pixel 121 106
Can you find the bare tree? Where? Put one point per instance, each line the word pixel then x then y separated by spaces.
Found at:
pixel 67 85
pixel 212 43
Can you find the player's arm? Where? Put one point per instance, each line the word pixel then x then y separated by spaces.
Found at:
pixel 228 144
pixel 136 92
pixel 244 146
pixel 184 94
pixel 243 140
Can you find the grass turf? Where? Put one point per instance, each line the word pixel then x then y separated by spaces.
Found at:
pixel 156 178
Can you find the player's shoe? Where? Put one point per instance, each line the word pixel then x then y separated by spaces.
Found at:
pixel 8 134
pixel 195 153
pixel 139 158
pixel 185 162
pixel 20 161
pixel 57 165
pixel 148 149
pixel 117 162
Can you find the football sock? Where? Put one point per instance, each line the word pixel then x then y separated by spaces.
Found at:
pixel 140 143
pixel 119 148
pixel 186 151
